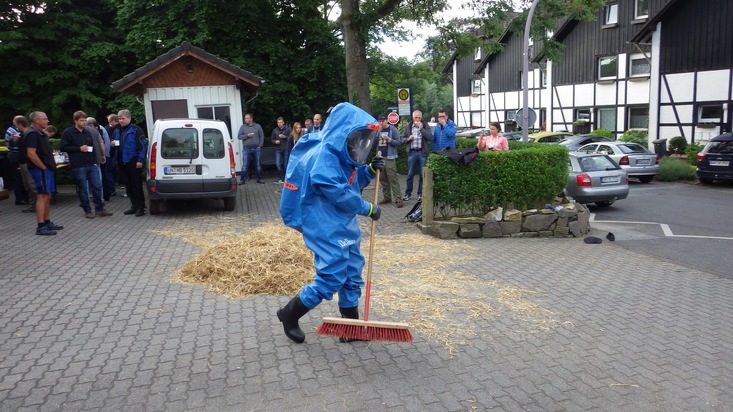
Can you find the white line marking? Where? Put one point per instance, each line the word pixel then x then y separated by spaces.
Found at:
pixel 665 228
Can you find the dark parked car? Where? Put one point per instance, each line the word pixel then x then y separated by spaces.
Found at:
pixel 715 161
pixel 595 177
pixel 574 142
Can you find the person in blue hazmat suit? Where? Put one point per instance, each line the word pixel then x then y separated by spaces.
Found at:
pixel 321 198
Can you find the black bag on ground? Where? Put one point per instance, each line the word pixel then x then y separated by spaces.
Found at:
pixel 415 213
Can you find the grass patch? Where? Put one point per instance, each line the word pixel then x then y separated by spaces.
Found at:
pixel 672 169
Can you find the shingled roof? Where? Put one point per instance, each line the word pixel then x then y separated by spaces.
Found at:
pixel 186 54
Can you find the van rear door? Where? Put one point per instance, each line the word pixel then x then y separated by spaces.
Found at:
pixel 216 167
pixel 179 162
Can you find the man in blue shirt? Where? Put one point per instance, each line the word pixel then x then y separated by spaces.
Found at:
pixel 444 134
pixel 131 152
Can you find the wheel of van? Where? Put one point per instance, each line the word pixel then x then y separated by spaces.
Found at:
pixel 154 206
pixel 646 179
pixel 230 203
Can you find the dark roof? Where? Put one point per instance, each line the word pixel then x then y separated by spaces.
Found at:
pixel 250 81
pixel 507 23
pixel 650 26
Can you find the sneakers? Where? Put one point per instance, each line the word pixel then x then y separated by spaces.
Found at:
pixel 89 215
pixel 398 204
pixel 45 231
pixel 103 213
pixel 242 182
pixel 131 211
pixel 406 197
pixel 385 201
pixel 29 209
pixel 260 181
pixel 419 198
pixel 53 226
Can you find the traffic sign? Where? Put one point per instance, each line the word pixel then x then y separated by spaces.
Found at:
pixel 393 118
pixel 519 118
pixel 404 101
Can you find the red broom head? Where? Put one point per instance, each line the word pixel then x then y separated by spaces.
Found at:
pixel 365 332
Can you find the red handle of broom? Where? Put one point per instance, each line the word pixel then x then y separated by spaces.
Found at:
pixel 371 249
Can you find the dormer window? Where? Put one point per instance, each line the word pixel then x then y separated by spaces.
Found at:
pixel 477 55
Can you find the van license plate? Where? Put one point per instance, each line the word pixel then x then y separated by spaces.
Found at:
pixel 178 170
pixel 719 163
pixel 610 179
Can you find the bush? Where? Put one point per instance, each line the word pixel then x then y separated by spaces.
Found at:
pixel 691 151
pixel 605 133
pixel 671 169
pixel 636 136
pixel 527 175
pixel 677 145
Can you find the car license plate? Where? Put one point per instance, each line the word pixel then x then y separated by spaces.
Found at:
pixel 643 161
pixel 610 179
pixel 719 163
pixel 179 170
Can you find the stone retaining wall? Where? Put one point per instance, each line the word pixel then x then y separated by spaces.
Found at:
pixel 565 220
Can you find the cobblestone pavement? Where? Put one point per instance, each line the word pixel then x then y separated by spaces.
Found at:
pixel 89 320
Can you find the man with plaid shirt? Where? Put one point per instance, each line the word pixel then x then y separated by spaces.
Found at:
pixel 417 135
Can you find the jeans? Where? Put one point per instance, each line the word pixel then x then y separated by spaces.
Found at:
pixel 415 163
pixel 281 162
pixel 108 179
pixel 251 152
pixel 85 177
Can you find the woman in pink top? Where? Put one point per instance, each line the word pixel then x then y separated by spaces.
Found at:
pixel 494 141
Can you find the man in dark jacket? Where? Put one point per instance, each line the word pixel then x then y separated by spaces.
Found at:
pixel 279 138
pixel 131 148
pixel 86 153
pixel 417 136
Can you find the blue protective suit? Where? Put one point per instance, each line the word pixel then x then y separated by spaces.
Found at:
pixel 321 198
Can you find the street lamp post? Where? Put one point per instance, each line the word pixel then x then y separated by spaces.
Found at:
pixel 525 72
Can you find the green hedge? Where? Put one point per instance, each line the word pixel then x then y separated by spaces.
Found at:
pixel 526 176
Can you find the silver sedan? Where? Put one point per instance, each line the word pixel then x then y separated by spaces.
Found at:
pixel 636 159
pixel 595 178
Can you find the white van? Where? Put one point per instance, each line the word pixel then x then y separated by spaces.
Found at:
pixel 190 159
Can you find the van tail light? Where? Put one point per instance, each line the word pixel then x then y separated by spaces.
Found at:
pixel 232 164
pixel 624 161
pixel 153 157
pixel 583 180
pixel 701 156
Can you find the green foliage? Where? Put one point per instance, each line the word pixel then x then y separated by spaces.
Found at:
pixel 636 136
pixel 526 175
pixel 691 152
pixel 672 169
pixel 605 133
pixel 677 144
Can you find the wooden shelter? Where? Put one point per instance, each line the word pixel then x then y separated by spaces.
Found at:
pixel 188 82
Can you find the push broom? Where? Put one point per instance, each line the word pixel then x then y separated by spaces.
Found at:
pixel 365 329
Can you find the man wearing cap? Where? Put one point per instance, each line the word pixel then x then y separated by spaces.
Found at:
pixel 389 139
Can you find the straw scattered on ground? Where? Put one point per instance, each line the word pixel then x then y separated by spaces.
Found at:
pixel 413 279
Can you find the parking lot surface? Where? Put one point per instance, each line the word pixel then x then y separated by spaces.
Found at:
pixel 90 320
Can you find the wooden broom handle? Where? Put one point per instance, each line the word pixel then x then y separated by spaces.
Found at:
pixel 371 248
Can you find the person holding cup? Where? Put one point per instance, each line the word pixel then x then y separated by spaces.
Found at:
pixel 389 139
pixel 279 138
pixel 85 148
pixel 494 140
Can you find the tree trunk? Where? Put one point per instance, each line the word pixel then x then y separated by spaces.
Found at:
pixel 357 69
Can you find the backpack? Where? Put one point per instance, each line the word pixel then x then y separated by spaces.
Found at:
pixel 460 156
pixel 415 214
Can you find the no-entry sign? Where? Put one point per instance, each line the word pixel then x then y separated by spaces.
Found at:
pixel 393 118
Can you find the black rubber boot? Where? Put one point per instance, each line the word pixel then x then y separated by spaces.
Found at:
pixel 289 315
pixel 349 313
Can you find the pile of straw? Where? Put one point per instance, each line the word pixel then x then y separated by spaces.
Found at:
pixel 270 259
